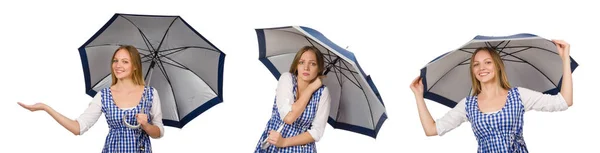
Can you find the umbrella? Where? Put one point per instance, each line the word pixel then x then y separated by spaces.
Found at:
pixel 530 61
pixel 355 102
pixel 186 69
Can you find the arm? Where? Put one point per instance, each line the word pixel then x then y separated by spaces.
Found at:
pixel 427 121
pixel 566 89
pixel 534 100
pixel 315 133
pixel 156 129
pixel 289 110
pixel 451 120
pixel 78 126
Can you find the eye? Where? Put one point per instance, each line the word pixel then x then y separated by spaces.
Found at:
pixel 126 62
pixel 488 62
pixel 313 64
pixel 301 62
pixel 114 61
pixel 476 64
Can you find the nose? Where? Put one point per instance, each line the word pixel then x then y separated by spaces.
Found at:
pixel 305 67
pixel 118 64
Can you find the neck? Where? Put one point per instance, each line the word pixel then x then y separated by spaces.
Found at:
pixel 491 88
pixel 125 83
pixel 302 84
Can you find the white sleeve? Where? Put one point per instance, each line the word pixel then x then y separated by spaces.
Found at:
pixel 156 113
pixel 284 96
pixel 452 119
pixel 320 121
pixel 534 100
pixel 90 116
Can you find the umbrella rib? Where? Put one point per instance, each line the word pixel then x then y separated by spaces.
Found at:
pixel 95 84
pixel 525 61
pixel 187 47
pixel 355 83
pixel 462 49
pixel 182 66
pixel 345 69
pixel 364 93
pixel 540 71
pixel 505 46
pixel 165 74
pixel 445 75
pixel 339 79
pixel 166 32
pixel 146 40
pixel 509 60
pixel 358 85
pixel 516 51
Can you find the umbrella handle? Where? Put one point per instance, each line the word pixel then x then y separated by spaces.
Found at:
pixel 142 111
pixel 265 144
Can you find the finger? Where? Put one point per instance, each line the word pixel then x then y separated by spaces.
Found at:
pixel 22 105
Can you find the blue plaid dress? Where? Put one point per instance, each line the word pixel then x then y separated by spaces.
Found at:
pixel 301 125
pixel 121 138
pixel 501 131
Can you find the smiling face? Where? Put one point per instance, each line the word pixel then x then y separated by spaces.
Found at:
pixel 126 64
pixel 484 67
pixel 487 67
pixel 121 64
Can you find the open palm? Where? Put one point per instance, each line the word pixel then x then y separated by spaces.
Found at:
pixel 34 107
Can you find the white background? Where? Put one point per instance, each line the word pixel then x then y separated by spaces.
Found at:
pixel 392 41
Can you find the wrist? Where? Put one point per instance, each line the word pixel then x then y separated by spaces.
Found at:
pixel 284 142
pixel 418 95
pixel 46 108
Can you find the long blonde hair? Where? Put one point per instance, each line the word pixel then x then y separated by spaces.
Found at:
pixel 136 62
pixel 499 66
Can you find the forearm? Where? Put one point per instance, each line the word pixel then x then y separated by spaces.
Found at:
pixel 69 124
pixel 152 130
pixel 426 120
pixel 298 107
pixel 300 139
pixel 566 89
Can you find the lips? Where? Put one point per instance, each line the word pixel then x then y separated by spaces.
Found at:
pixel 305 74
pixel 482 74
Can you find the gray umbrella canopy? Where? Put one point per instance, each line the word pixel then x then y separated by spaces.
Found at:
pixel 530 61
pixel 355 102
pixel 184 67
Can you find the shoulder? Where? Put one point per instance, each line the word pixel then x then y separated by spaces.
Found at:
pixel 285 76
pixel 324 89
pixel 151 88
pixel 523 90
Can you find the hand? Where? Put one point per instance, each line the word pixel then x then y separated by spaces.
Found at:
pixel 417 87
pixel 142 119
pixel 34 107
pixel 275 138
pixel 563 49
pixel 317 83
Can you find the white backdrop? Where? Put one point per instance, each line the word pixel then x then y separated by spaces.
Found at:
pixel 392 41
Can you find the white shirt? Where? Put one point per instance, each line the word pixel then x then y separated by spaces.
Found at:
pixel 94 110
pixel 285 99
pixel 532 100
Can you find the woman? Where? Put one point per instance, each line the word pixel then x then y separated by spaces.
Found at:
pixel 124 98
pixel 495 109
pixel 301 106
